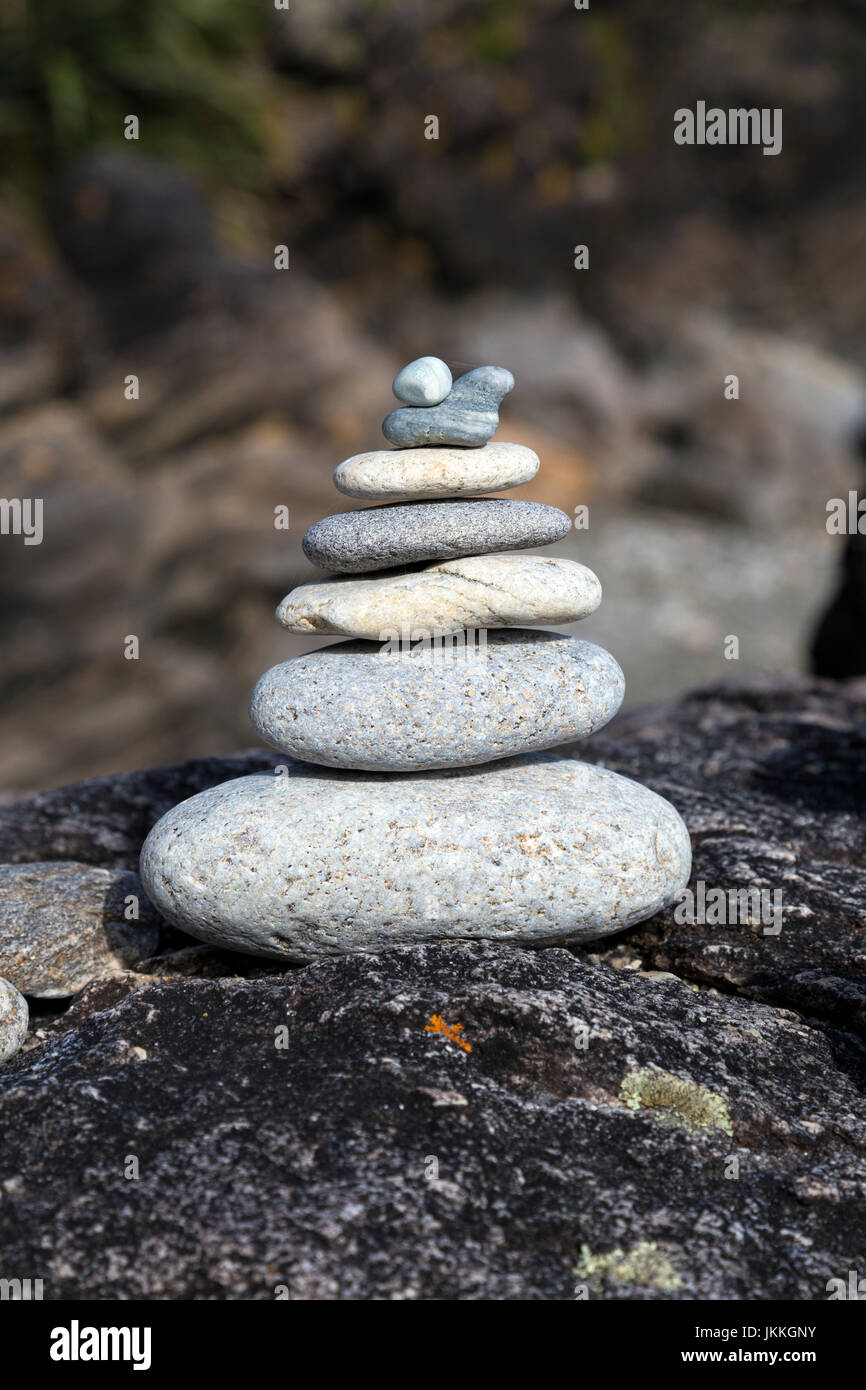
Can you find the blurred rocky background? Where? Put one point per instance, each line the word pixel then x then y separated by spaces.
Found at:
pixel 305 128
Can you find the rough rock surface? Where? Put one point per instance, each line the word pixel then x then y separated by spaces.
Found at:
pixel 62 925
pixel 371 1158
pixel 348 705
pixel 305 1167
pixel 104 821
pixel 770 778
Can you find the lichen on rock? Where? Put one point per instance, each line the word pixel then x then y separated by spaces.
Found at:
pixel 644 1265
pixel 675 1101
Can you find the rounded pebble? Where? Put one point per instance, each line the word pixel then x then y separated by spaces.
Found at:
pixel 394 475
pixel 479 591
pixel 426 381
pixel 301 863
pixel 14 1017
pixel 437 705
pixel 408 533
pixel 63 924
pixel 469 415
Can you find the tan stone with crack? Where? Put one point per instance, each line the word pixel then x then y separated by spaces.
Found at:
pixel 390 475
pixel 480 591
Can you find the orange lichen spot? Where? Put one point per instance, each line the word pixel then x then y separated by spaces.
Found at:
pixel 437 1024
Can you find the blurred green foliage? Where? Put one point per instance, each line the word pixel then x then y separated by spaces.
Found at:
pixel 610 127
pixel 494 33
pixel 193 71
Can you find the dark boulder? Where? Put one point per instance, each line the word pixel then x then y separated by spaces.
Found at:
pixel 676 1114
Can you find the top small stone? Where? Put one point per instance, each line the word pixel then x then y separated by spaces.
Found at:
pixel 426 381
pixel 468 416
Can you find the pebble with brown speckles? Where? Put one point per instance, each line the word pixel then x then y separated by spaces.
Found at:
pixel 14 1017
pixel 63 925
pixel 305 862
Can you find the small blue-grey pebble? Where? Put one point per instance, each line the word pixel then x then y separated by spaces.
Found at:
pixel 426 381
pixel 469 414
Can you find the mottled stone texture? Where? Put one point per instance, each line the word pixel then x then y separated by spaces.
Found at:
pixel 13 1020
pixel 306 1167
pixel 479 591
pixel 104 820
pixel 63 925
pixel 317 861
pixel 469 414
pixel 349 705
pixel 403 534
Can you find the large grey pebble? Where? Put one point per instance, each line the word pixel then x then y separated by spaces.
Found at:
pixel 63 925
pixel 478 591
pixel 351 706
pixel 410 532
pixel 469 415
pixel 14 1017
pixel 393 475
pixel 305 862
pixel 426 381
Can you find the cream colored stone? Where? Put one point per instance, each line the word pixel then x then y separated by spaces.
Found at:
pixel 480 591
pixel 391 475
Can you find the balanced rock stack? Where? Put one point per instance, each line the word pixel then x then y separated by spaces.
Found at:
pixel 418 801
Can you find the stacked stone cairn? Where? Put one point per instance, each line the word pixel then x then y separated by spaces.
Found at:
pixel 419 801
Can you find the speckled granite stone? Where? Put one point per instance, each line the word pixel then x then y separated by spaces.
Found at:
pixel 14 1016
pixel 469 414
pixel 63 925
pixel 394 475
pixel 426 381
pixel 408 533
pixel 480 591
pixel 305 863
pixel 434 707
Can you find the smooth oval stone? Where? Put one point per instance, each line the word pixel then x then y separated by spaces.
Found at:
pixel 436 706
pixel 406 533
pixel 426 381
pixel 477 591
pixel 391 475
pixel 14 1017
pixel 469 414
pixel 302 862
pixel 64 924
